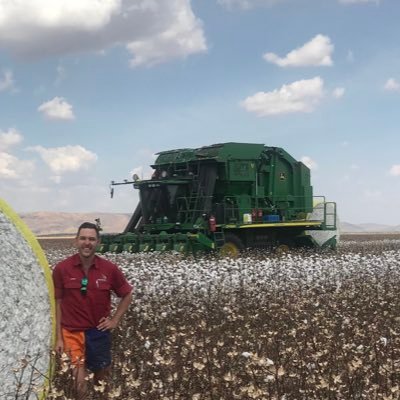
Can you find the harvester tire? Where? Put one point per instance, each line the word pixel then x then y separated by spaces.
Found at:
pixel 284 246
pixel 232 246
pixel 282 249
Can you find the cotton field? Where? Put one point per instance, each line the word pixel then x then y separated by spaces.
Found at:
pixel 303 325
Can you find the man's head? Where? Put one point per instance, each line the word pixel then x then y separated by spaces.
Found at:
pixel 88 225
pixel 87 238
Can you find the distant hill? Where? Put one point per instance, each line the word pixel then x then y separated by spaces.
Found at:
pixel 360 228
pixel 347 227
pixel 380 228
pixel 56 223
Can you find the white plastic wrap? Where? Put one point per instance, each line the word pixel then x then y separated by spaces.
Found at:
pixel 25 313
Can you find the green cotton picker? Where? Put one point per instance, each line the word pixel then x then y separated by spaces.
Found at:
pixel 226 197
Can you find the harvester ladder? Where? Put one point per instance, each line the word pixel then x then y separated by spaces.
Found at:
pixel 219 239
pixel 196 195
pixel 202 191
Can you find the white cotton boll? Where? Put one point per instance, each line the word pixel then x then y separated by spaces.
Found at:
pixel 383 341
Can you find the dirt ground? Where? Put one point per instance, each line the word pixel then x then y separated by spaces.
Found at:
pixel 56 243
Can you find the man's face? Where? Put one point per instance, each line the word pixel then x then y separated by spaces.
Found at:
pixel 86 242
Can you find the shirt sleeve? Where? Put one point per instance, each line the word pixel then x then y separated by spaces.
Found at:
pixel 58 283
pixel 120 285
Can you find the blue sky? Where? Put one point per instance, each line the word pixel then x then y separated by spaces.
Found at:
pixel 90 90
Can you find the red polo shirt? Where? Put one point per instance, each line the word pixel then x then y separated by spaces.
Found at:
pixel 81 312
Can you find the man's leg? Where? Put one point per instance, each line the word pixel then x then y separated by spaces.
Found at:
pixel 74 347
pixel 101 378
pixel 102 375
pixel 80 382
pixel 98 358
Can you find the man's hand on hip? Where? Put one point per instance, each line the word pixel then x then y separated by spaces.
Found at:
pixel 107 323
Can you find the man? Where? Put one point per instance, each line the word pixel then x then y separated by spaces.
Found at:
pixel 83 285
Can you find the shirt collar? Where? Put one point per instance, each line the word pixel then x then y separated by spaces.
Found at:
pixel 77 261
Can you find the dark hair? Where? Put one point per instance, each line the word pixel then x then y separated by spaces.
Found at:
pixel 89 225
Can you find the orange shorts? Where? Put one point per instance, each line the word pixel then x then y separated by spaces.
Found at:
pixel 74 346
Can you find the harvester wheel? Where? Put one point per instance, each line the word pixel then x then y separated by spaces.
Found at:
pixel 282 249
pixel 232 246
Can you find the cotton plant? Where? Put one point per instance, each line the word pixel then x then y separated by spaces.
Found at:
pixel 304 325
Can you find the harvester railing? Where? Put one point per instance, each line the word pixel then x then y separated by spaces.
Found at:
pixel 330 217
pixel 324 212
pixel 190 208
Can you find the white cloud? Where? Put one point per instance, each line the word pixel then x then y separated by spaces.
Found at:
pixel 392 85
pixel 372 193
pixel 61 75
pixel 338 92
pixel 57 108
pixel 350 56
pixel 248 4
pixel 56 179
pixel 145 157
pixel 138 171
pixel 87 15
pixel 299 96
pixel 6 168
pixel 9 138
pixel 309 162
pixel 13 168
pixel 180 40
pixel 10 166
pixel 395 170
pixel 344 179
pixel 7 81
pixel 358 1
pixel 143 172
pixel 66 159
pixel 153 31
pixel 316 52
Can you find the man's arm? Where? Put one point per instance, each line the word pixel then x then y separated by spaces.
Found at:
pixel 59 339
pixel 111 323
pixel 58 292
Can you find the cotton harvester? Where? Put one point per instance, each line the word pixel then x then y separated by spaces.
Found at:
pixel 226 197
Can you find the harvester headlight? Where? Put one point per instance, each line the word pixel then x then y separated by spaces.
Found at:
pixel 135 177
pixel 164 174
